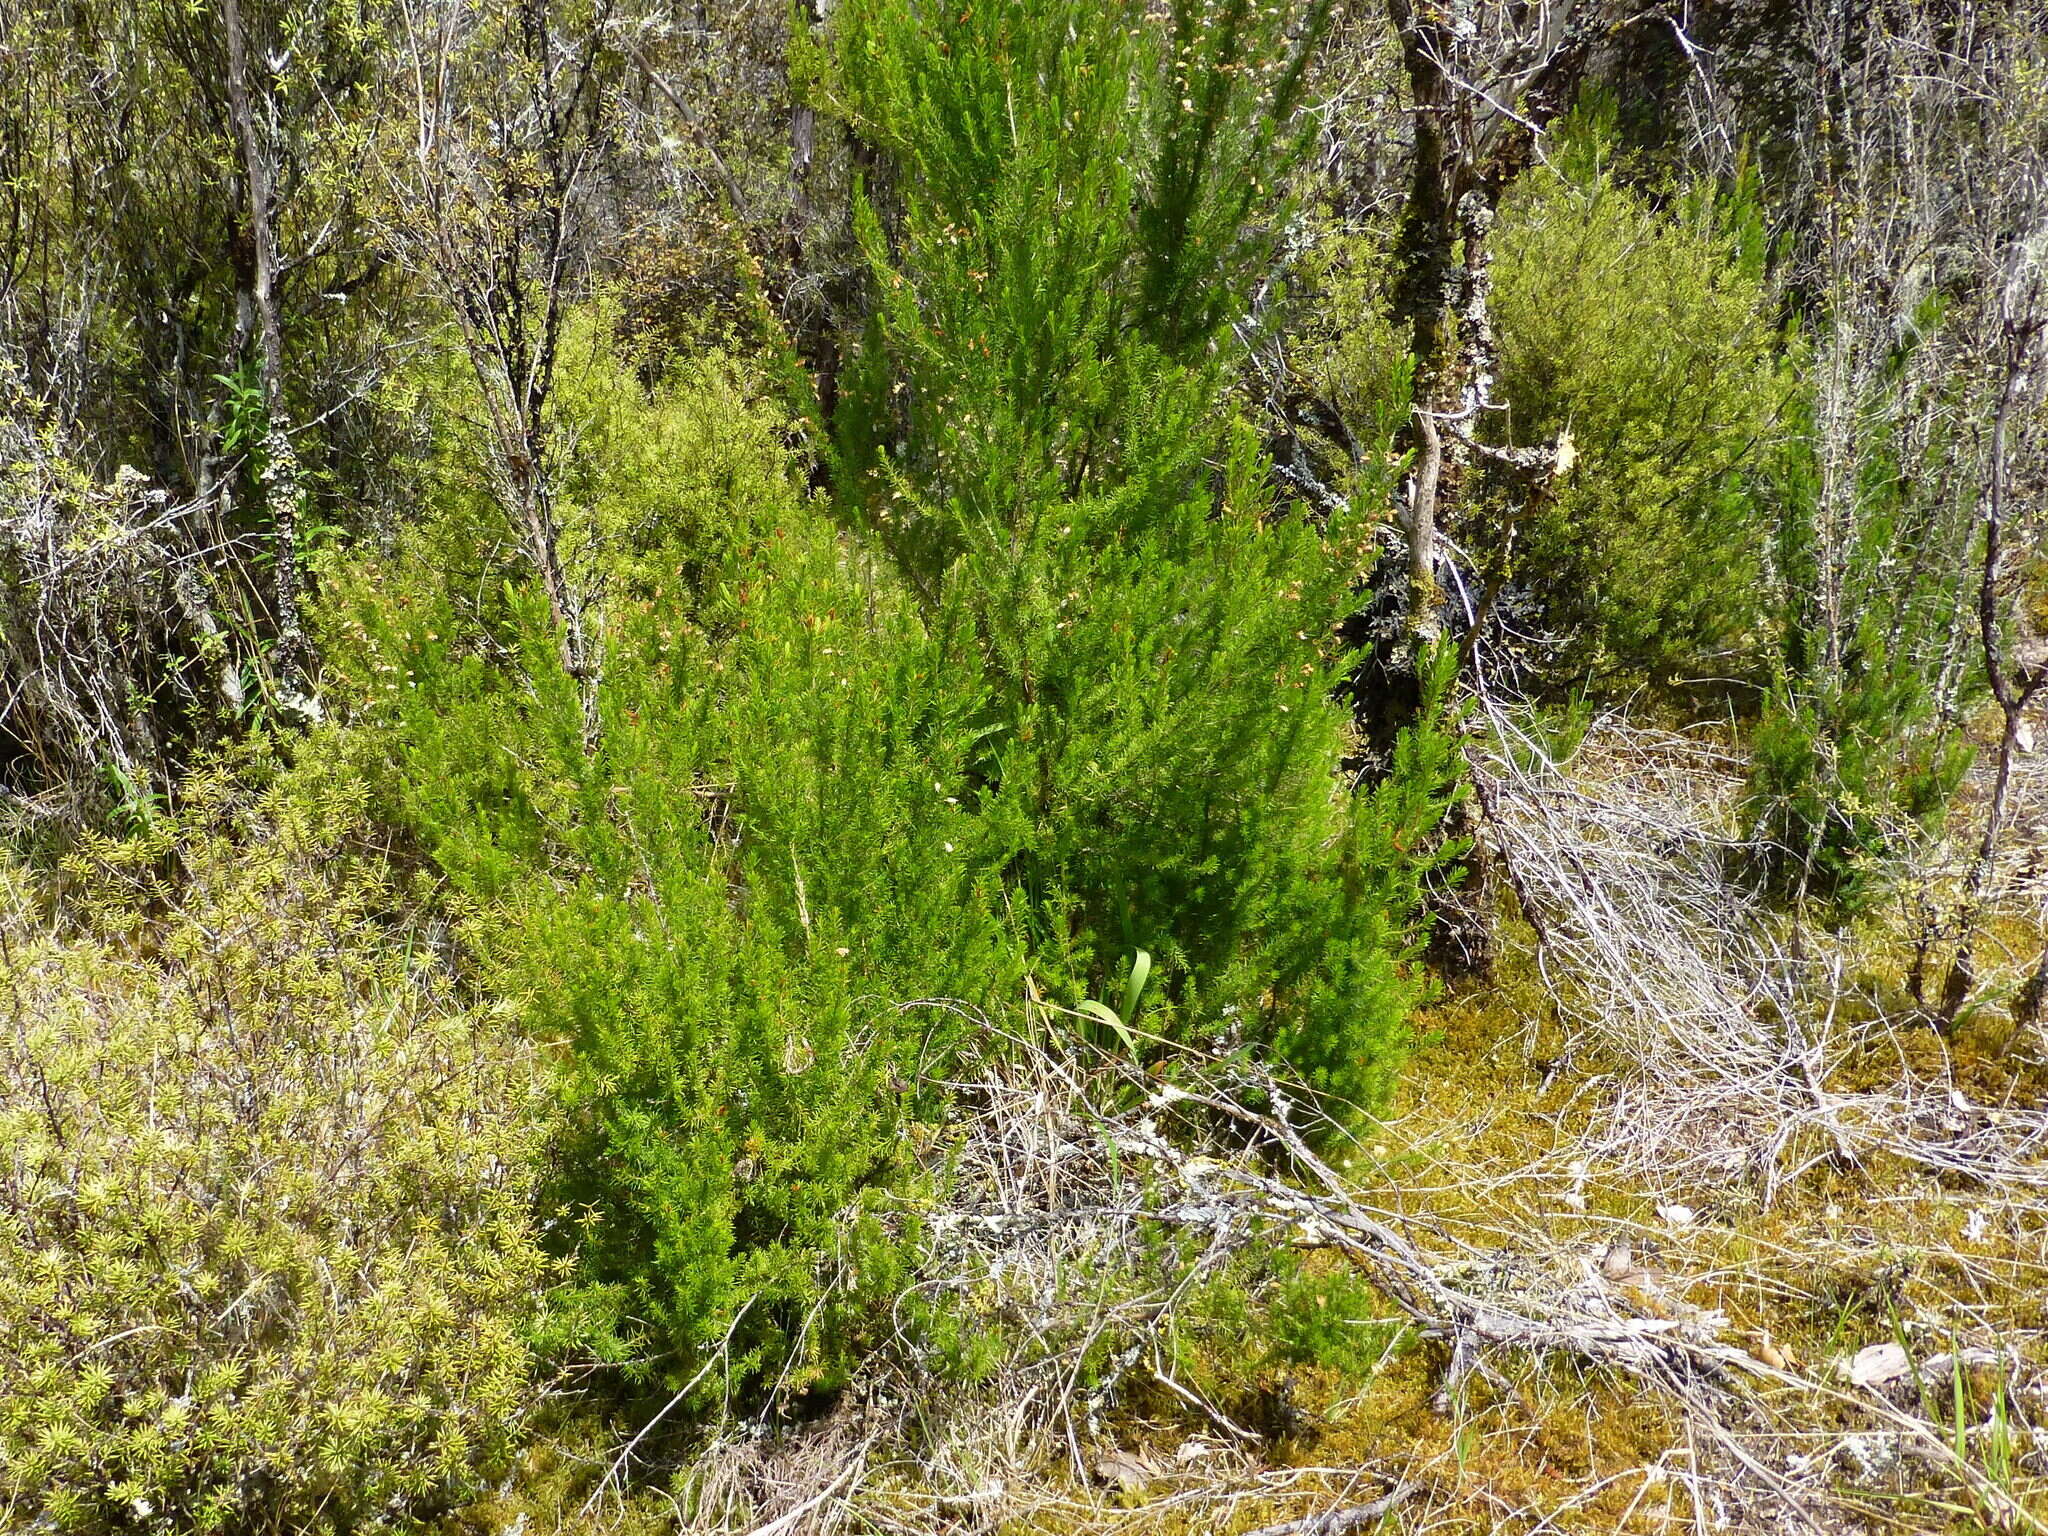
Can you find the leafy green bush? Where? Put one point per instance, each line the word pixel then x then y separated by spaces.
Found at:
pixel 1842 778
pixel 723 905
pixel 1043 443
pixel 1643 326
pixel 1054 689
pixel 265 1210
pixel 1331 1318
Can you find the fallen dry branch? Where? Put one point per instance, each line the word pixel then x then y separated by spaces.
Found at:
pixel 1337 1522
pixel 1721 1025
pixel 1071 1155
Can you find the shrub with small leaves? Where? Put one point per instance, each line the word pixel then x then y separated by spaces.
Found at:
pixel 715 909
pixel 1038 428
pixel 264 1208
pixel 1637 320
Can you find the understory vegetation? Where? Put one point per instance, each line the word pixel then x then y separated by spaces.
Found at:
pixel 1029 766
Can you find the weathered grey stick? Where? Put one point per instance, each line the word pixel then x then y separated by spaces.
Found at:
pixel 1336 1522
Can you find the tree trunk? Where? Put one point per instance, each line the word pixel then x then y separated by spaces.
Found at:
pixel 1426 292
pixel 2013 693
pixel 567 604
pixel 2028 1007
pixel 1481 92
pixel 282 489
pixel 1962 970
pixel 1464 162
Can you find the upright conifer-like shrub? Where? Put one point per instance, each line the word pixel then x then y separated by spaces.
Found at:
pixel 1852 758
pixel 1640 322
pixel 1038 433
pixel 721 907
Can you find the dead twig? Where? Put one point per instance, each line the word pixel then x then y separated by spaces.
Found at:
pixel 1337 1522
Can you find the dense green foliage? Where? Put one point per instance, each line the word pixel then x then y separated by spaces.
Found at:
pixel 1075 713
pixel 1634 320
pixel 266 1213
pixel 1852 756
pixel 1642 326
pixel 724 907
pixel 790 564
pixel 1041 441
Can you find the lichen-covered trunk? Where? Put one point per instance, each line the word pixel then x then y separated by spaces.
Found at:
pixel 2014 688
pixel 1426 301
pixel 283 485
